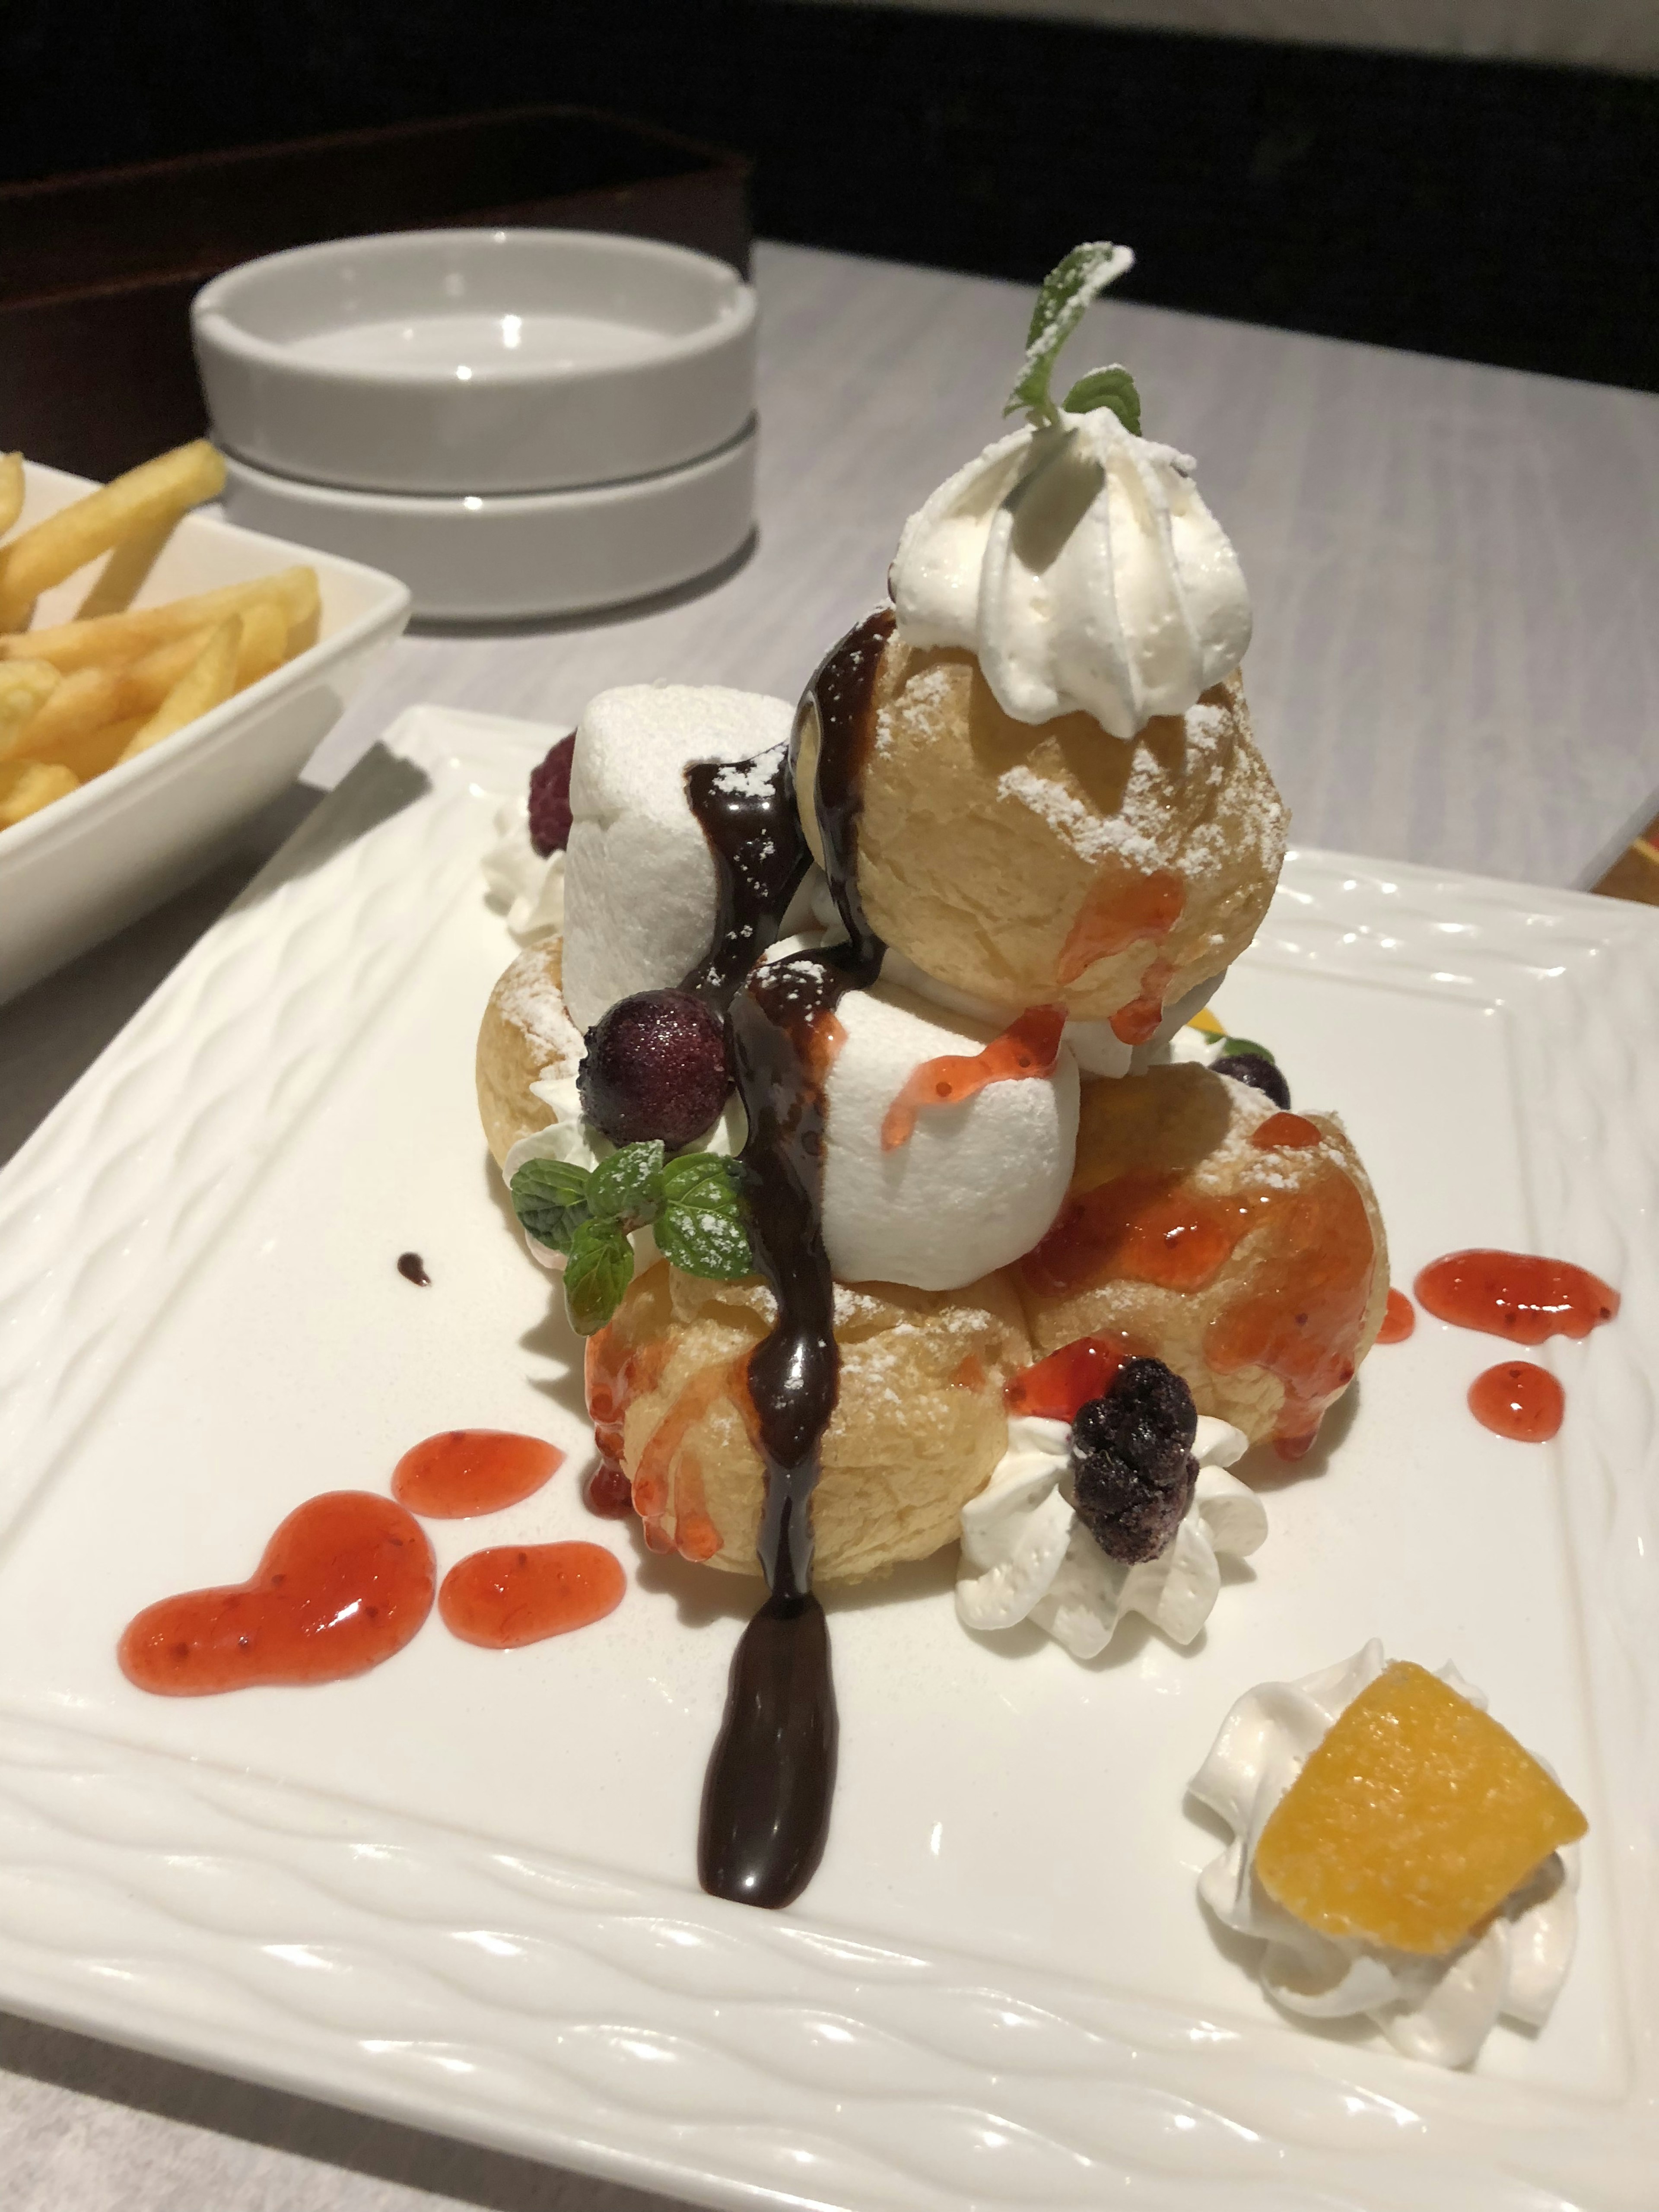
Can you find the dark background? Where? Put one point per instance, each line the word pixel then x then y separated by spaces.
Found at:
pixel 1501 212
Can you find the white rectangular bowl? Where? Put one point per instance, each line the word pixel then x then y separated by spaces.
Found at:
pixel 82 868
pixel 460 1890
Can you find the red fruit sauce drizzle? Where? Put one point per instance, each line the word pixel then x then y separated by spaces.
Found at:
pixel 462 1471
pixel 1137 1023
pixel 1147 1225
pixel 520 1594
pixel 1058 1388
pixel 1519 1401
pixel 1114 915
pixel 1516 1294
pixel 1029 1047
pixel 615 1372
pixel 669 1478
pixel 342 1585
pixel 1399 1319
pixel 1284 1133
pixel 1302 1323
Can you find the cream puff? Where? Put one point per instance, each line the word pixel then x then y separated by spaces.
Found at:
pixel 1239 1242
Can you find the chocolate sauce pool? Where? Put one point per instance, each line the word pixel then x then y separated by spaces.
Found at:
pixel 771 1777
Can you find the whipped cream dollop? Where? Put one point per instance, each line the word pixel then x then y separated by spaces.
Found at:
pixel 1077 562
pixel 1441 2009
pixel 527 885
pixel 1026 1555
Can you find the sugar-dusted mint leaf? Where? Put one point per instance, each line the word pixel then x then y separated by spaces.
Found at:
pixel 700 1228
pixel 628 1185
pixel 1065 291
pixel 689 1171
pixel 551 1199
pixel 600 1268
pixel 1112 387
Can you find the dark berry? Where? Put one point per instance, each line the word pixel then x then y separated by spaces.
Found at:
pixel 655 1067
pixel 549 800
pixel 1133 1469
pixel 608 1492
pixel 1259 1071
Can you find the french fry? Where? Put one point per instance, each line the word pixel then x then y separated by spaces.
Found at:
pixel 94 750
pixel 27 785
pixel 91 696
pixel 206 683
pixel 11 489
pixel 264 643
pixel 77 645
pixel 143 497
pixel 103 708
pixel 122 576
pixel 25 686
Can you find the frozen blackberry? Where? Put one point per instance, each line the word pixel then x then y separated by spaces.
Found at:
pixel 655 1067
pixel 1259 1071
pixel 1133 1469
pixel 549 800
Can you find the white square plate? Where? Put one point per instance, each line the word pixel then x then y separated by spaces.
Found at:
pixel 460 1889
pixel 89 863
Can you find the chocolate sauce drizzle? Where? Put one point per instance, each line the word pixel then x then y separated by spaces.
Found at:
pixel 746 810
pixel 771 1776
pixel 412 1268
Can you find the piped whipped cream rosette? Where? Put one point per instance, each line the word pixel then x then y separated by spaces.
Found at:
pixel 1127 1509
pixel 525 868
pixel 1080 566
pixel 526 884
pixel 1396 1853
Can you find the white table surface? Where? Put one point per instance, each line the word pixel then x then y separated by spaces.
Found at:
pixel 1455 573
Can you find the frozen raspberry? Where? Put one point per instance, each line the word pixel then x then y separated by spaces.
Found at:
pixel 549 800
pixel 1259 1071
pixel 1133 1469
pixel 655 1067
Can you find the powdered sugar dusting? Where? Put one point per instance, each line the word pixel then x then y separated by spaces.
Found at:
pixel 1237 1161
pixel 534 1002
pixel 1091 836
pixel 1253 823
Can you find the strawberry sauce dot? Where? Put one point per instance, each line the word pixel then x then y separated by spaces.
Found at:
pixel 1518 1401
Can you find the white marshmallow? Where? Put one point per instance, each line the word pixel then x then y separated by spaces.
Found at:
pixel 976 1184
pixel 640 885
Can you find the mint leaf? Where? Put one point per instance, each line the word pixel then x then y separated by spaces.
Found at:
pixel 628 1185
pixel 1112 387
pixel 600 1269
pixel 1233 1044
pixel 700 1228
pixel 1065 291
pixel 689 1171
pixel 551 1199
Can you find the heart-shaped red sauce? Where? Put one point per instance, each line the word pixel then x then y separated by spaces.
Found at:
pixel 344 1584
pixel 518 1594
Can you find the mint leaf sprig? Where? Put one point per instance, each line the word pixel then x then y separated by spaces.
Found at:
pixel 1065 291
pixel 589 1214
